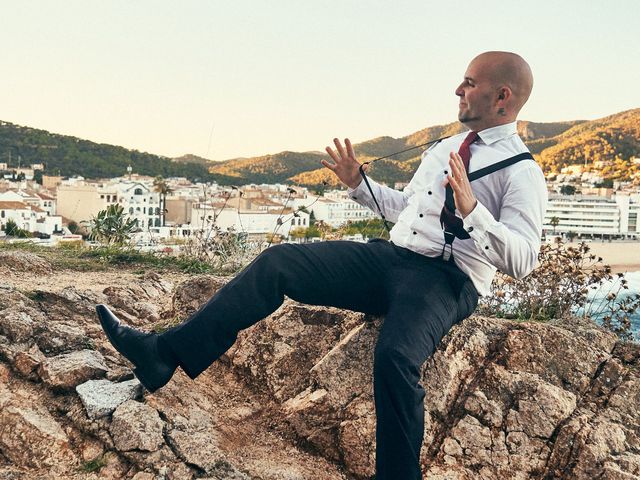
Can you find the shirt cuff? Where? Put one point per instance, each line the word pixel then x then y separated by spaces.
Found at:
pixel 358 193
pixel 478 221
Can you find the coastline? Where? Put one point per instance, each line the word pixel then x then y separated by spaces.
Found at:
pixel 623 257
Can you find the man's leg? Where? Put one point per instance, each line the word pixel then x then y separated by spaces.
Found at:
pixel 426 300
pixel 341 274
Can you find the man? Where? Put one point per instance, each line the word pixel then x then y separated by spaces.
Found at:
pixel 423 281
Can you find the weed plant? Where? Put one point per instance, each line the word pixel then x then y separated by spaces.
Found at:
pixel 568 282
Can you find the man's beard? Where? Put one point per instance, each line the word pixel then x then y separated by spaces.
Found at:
pixel 466 117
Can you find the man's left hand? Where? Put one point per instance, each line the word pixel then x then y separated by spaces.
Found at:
pixel 462 193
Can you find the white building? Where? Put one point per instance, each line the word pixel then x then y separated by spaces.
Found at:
pixel 336 208
pixel 140 202
pixel 252 222
pixel 591 215
pixel 80 201
pixel 29 217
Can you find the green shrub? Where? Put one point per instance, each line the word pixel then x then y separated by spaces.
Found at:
pixel 568 281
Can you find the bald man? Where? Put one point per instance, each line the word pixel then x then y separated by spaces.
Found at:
pixel 476 203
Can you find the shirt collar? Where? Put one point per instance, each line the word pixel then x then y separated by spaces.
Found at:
pixel 493 134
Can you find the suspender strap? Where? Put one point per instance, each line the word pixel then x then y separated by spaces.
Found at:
pixel 433 143
pixel 366 182
pixel 449 202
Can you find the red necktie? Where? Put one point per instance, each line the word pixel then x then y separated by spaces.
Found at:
pixel 464 151
pixel 449 220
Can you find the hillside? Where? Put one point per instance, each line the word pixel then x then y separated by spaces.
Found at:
pixel 615 138
pixel 67 156
pixel 293 398
pixel 555 145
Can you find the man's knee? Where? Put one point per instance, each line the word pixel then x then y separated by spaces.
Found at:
pixel 276 256
pixel 393 362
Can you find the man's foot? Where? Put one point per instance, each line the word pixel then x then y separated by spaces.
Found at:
pixel 151 367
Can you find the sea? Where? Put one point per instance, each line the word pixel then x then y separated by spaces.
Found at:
pixel 633 279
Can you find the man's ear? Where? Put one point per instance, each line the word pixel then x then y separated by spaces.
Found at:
pixel 504 93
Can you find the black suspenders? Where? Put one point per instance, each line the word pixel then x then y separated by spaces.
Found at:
pixel 449 202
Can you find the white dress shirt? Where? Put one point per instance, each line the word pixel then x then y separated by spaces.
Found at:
pixel 506 224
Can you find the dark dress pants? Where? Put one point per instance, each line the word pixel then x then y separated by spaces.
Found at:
pixel 420 297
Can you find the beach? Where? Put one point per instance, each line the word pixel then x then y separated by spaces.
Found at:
pixel 621 256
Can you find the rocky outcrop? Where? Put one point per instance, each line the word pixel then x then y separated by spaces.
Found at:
pixel 293 398
pixel 24 262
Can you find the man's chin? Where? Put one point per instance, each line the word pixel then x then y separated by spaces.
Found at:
pixel 465 118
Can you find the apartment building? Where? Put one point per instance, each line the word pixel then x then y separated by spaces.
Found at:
pixel 80 201
pixel 594 216
pixel 29 217
pixel 336 208
pixel 256 222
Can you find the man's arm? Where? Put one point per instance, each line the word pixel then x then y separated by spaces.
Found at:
pixel 346 167
pixel 511 243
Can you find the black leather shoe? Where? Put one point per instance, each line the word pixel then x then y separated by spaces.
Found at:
pixel 139 348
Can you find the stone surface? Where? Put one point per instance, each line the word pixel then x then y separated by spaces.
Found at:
pixel 293 398
pixel 190 295
pixel 279 353
pixel 19 261
pixel 69 370
pixel 136 426
pixel 102 397
pixel 29 435
pixel 28 361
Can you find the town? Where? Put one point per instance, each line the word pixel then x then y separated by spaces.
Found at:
pixel 49 209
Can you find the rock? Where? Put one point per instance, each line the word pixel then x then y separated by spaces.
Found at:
pixel 143 476
pixel 4 373
pixel 276 355
pixel 71 369
pixel 101 397
pixel 91 450
pixel 136 426
pixel 70 306
pixel 138 300
pixel 30 437
pixel 54 338
pixel 197 443
pixel 191 294
pixel 20 261
pixel 133 300
pixel 28 361
pixel 18 323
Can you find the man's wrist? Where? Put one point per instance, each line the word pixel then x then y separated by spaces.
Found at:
pixel 475 204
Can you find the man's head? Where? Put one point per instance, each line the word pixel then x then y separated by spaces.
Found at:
pixel 495 87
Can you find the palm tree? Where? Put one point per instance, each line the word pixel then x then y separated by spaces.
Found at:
pixel 160 185
pixel 554 223
pixel 111 226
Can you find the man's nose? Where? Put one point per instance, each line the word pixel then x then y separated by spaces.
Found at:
pixel 459 91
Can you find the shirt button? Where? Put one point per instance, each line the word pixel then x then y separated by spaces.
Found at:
pixel 429 192
pixel 470 229
pixel 421 215
pixel 486 248
pixel 446 172
pixel 415 233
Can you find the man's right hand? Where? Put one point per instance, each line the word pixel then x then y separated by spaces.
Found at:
pixel 345 165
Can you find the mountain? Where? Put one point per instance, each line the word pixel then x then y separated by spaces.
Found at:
pixel 190 158
pixel 554 144
pixel 614 139
pixel 66 155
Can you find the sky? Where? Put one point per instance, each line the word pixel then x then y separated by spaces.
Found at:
pixel 224 79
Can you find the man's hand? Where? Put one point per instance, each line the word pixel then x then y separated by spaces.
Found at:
pixel 462 193
pixel 345 165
